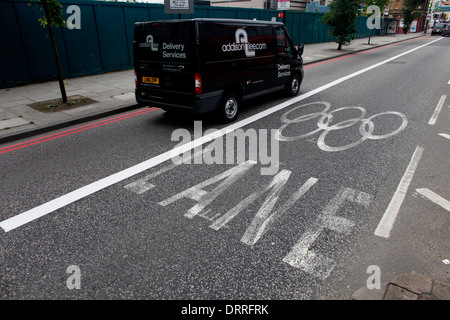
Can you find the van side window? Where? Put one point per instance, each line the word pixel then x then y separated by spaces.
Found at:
pixel 283 42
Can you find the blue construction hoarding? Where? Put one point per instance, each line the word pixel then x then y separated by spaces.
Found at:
pixel 98 36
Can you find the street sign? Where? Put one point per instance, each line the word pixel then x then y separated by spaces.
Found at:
pixel 284 4
pixel 179 6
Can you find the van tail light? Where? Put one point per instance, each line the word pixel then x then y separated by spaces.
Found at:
pixel 135 78
pixel 198 84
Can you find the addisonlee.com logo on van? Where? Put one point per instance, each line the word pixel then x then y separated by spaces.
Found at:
pixel 243 44
pixel 149 43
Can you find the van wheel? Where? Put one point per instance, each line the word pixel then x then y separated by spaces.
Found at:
pixel 229 107
pixel 293 85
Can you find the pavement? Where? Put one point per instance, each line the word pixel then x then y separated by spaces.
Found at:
pixel 113 93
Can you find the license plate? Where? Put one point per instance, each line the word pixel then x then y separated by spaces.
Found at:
pixel 150 80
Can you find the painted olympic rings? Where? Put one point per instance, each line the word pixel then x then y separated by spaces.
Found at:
pixel 325 126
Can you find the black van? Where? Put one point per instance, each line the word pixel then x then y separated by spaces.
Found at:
pixel 211 65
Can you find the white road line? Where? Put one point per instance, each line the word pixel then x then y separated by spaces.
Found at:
pixel 444 135
pixel 444 203
pixel 387 221
pixel 46 208
pixel 303 255
pixel 143 185
pixel 264 218
pixel 437 110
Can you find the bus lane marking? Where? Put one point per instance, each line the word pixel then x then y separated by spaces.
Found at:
pixel 302 256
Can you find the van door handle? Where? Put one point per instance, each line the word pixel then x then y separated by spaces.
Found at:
pixel 181 67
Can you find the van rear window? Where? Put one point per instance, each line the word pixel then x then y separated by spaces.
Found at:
pixel 159 41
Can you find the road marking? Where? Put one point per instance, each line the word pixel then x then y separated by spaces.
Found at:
pixel 264 218
pixel 387 221
pixel 444 203
pixel 68 132
pixel 276 186
pixel 444 135
pixel 204 198
pixel 302 256
pixel 325 117
pixel 328 61
pixel 437 110
pixel 60 202
pixel 143 185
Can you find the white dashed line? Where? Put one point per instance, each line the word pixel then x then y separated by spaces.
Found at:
pixel 437 110
pixel 444 203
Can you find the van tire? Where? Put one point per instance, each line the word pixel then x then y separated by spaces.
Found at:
pixel 229 107
pixel 293 85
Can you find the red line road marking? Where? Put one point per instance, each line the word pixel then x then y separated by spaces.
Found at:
pixel 74 130
pixel 354 54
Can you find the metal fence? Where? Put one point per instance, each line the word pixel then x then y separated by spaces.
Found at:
pixel 98 36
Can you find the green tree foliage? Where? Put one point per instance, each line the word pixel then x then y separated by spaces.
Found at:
pixel 342 20
pixel 53 17
pixel 54 11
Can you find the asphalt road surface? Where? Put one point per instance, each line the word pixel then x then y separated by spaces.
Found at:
pixel 354 184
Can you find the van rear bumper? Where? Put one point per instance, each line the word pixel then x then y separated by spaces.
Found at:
pixel 198 104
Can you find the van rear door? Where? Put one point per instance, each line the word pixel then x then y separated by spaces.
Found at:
pixel 164 55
